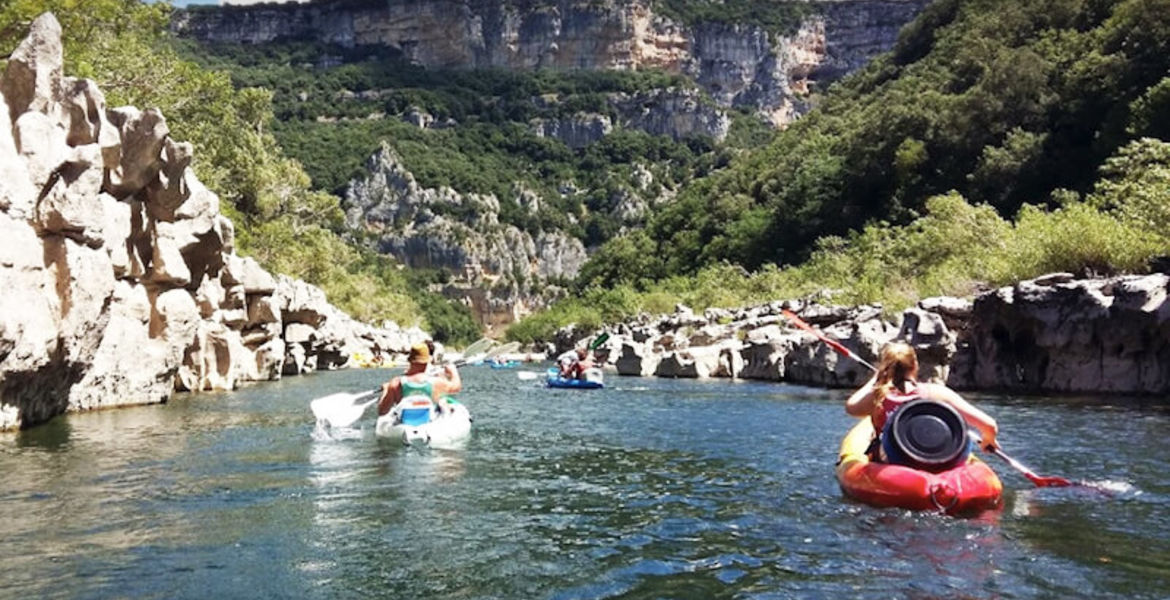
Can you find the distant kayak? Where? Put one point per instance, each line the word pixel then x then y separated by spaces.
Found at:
pixel 593 380
pixel 972 486
pixel 361 361
pixel 511 364
pixel 417 421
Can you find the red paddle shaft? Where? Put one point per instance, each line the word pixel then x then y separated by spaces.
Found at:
pixel 834 344
pixel 1037 480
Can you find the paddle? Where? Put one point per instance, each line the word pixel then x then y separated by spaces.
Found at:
pixel 475 352
pixel 504 349
pixel 597 342
pixel 1037 480
pixel 834 344
pixel 343 409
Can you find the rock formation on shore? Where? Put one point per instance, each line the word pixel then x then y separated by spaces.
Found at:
pixel 121 283
pixel 1051 334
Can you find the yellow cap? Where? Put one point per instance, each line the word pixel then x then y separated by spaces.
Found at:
pixel 419 353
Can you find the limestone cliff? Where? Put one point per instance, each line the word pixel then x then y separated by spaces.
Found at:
pixel 120 279
pixel 737 64
pixel 498 268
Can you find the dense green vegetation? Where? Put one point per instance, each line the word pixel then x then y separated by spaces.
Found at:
pixel 289 227
pixel 998 141
pixel 776 16
pixel 333 114
pixel 1002 101
pixel 956 248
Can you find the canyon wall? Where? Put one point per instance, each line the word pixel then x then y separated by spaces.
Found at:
pixel 121 283
pixel 737 64
pixel 496 266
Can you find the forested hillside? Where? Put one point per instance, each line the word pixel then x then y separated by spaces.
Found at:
pixel 1003 102
pixel 999 140
pixel 996 141
pixel 472 130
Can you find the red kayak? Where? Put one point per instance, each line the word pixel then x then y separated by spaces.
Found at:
pixel 970 487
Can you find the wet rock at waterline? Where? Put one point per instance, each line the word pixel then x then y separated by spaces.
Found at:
pixel 1065 335
pixel 1051 334
pixel 121 283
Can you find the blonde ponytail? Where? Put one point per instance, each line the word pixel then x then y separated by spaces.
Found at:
pixel 897 366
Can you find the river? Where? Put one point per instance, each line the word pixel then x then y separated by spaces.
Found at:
pixel 651 488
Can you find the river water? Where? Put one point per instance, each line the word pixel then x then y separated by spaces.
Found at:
pixel 650 488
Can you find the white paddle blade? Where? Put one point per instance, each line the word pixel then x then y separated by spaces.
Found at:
pixel 505 349
pixel 527 375
pixel 479 347
pixel 343 409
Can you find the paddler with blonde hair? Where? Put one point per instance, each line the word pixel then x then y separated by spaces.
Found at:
pixel 896 383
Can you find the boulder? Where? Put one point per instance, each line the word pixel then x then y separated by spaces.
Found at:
pixel 32 79
pixel 218 361
pixel 72 204
pixel 1102 335
pixel 637 359
pixel 130 366
pixel 120 280
pixel 143 135
pixel 41 143
pixel 17 194
pixel 270 360
pixel 167 266
pixel 263 309
pixel 300 302
pixel 813 362
pixel 701 363
pixel 764 356
pixel 171 188
pixel 934 344
pixel 711 334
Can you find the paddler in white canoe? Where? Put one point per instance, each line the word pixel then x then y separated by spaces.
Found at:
pixel 416 406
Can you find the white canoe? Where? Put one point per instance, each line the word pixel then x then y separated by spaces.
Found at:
pixel 418 422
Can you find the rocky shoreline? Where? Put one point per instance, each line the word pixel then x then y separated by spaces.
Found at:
pixel 121 282
pixel 1053 334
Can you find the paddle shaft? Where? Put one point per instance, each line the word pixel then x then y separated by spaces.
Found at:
pixel 1038 480
pixel 834 344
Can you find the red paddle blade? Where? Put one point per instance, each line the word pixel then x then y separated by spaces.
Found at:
pixel 1037 480
pixel 1040 481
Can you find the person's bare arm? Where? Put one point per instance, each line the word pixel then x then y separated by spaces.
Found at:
pixel 454 383
pixel 860 403
pixel 391 394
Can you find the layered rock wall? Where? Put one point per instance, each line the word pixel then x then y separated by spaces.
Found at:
pixel 737 64
pixel 496 266
pixel 120 279
pixel 1049 335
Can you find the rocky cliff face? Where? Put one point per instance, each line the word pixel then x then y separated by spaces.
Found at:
pixel 1051 334
pixel 497 267
pixel 120 279
pixel 739 65
pixel 1061 334
pixel 673 113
